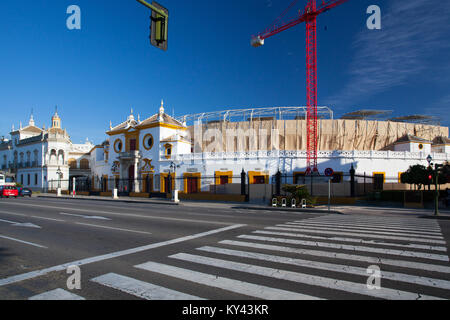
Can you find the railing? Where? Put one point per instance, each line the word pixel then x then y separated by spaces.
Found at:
pixel 302 154
pixel 129 155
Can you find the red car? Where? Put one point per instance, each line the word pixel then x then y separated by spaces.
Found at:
pixel 8 191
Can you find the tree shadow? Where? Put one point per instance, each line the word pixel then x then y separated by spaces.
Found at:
pixel 4 254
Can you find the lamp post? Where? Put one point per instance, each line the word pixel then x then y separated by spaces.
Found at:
pixel 173 167
pixel 59 173
pixel 436 183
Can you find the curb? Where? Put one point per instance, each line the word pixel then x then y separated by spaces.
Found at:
pixel 112 200
pixel 292 210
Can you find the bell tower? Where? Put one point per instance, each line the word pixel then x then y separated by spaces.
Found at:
pixel 56 120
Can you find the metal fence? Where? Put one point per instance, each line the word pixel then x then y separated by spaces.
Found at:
pixel 262 187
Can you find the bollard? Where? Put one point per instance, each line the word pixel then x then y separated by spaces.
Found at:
pixel 283 203
pixel 274 202
pixel 175 196
pixel 58 192
pixel 303 203
pixel 294 203
pixel 115 194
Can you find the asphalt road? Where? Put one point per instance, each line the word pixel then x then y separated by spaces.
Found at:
pixel 133 251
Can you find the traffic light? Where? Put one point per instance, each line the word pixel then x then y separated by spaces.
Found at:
pixel 159 21
pixel 159 27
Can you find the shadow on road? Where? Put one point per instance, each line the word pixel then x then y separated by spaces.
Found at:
pixel 4 254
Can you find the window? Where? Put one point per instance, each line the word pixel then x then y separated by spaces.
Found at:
pixel 132 144
pixel 84 164
pixel 21 179
pixel 35 179
pixel 72 163
pixel 28 180
pixel 378 181
pixel 168 152
pixel 118 145
pixel 148 142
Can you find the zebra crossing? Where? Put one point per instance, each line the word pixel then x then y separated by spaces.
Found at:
pixel 310 259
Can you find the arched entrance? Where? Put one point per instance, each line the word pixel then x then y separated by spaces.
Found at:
pixel 131 178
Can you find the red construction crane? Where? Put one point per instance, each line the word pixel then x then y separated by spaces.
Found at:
pixel 309 16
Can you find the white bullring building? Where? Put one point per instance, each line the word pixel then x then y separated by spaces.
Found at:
pixel 211 150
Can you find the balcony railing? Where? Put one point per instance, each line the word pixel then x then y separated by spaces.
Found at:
pixel 129 155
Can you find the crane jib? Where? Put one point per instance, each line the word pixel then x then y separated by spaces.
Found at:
pixel 309 15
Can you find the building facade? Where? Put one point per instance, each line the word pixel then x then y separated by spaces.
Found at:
pixel 146 156
pixel 38 157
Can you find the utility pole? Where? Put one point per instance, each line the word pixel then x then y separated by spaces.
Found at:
pixel 436 191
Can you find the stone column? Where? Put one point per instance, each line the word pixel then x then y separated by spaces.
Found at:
pixel 137 187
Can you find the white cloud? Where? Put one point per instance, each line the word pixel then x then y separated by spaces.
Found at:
pixel 412 33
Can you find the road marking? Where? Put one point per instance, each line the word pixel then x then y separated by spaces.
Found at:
pixel 112 228
pixel 344 226
pixel 236 286
pixel 58 220
pixel 308 279
pixel 38 273
pixel 57 294
pixel 25 242
pixel 363 235
pixel 20 224
pixel 343 256
pixel 386 222
pixel 402 253
pixel 373 225
pixel 121 214
pixel 24 215
pixel 347 269
pixel 380 223
pixel 355 240
pixel 84 217
pixel 141 289
pixel 406 220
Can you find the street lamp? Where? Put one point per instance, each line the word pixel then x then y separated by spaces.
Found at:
pixel 429 159
pixel 59 173
pixel 436 183
pixel 173 167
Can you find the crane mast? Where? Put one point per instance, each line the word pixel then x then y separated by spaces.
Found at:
pixel 309 16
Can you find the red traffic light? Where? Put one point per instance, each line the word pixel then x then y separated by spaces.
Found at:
pixel 430 177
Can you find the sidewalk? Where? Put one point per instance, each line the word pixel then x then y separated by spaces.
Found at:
pixel 191 203
pixel 383 209
pixel 98 198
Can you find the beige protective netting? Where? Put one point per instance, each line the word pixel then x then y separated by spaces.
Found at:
pixel 333 134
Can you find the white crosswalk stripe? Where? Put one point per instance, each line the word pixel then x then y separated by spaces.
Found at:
pixel 357 240
pixel 141 289
pixel 342 256
pixel 432 227
pixel 330 253
pixel 330 283
pixel 352 227
pixel 403 253
pixel 436 283
pixel 57 294
pixel 366 235
pixel 240 287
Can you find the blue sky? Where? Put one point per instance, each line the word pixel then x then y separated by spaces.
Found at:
pixel 98 73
